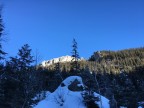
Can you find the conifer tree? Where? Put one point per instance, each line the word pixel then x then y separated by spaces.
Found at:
pixel 75 55
pixel 2 53
pixel 57 70
pixel 25 57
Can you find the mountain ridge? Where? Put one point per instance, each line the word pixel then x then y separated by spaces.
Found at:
pixel 62 59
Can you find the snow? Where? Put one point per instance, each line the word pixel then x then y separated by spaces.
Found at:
pixel 70 79
pixel 62 59
pixel 141 104
pixel 62 97
pixel 104 102
pixel 41 95
pixel 122 107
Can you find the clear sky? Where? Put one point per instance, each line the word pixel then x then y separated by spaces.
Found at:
pixel 50 25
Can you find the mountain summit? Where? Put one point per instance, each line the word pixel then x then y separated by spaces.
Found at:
pixel 61 59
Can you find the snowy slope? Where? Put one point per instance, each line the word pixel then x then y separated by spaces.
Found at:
pixel 59 59
pixel 62 97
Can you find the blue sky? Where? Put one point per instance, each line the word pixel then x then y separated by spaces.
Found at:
pixel 50 25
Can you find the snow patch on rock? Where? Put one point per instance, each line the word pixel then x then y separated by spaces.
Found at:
pixel 62 59
pixel 62 97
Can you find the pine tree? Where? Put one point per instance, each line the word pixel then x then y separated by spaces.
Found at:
pixel 75 55
pixel 57 70
pixel 2 72
pixel 25 57
pixel 2 53
pixel 12 64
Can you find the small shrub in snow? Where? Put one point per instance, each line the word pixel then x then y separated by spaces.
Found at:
pixel 59 98
pixel 91 104
pixel 90 100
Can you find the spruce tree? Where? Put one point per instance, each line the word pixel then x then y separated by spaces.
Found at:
pixel 2 71
pixel 75 55
pixel 25 57
pixel 2 53
pixel 58 71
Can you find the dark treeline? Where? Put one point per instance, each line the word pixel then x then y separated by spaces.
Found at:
pixel 116 75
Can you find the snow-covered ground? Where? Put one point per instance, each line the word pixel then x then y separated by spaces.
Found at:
pixel 62 97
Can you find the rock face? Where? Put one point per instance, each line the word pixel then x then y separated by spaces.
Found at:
pixel 75 86
pixel 59 59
